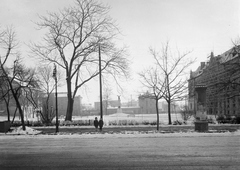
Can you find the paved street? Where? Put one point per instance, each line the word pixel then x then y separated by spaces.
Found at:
pixel 120 152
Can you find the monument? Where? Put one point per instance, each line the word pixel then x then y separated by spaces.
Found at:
pixel 119 109
pixel 201 124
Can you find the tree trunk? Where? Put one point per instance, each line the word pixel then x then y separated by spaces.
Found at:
pixel 22 118
pixel 20 111
pixel 15 96
pixel 157 114
pixel 70 101
pixel 7 106
pixel 69 109
pixel 169 112
pixel 14 115
pixel 8 112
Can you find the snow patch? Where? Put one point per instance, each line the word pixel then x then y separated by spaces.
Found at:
pixel 20 131
pixel 119 115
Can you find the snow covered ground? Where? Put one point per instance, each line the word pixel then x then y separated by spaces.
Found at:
pixel 191 133
pixel 20 131
pixel 117 117
pixel 163 118
pixel 123 116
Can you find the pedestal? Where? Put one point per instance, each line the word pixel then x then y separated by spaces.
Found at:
pixel 4 126
pixel 201 126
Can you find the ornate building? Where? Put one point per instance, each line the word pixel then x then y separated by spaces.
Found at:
pixel 216 84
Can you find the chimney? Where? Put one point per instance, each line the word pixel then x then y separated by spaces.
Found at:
pixel 212 55
pixel 203 64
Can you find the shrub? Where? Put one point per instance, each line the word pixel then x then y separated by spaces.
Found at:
pixel 145 122
pixel 132 122
pixel 123 122
pixel 237 120
pixel 186 113
pixel 221 119
pixel 210 120
pixel 153 123
pixel 177 122
pixel 113 123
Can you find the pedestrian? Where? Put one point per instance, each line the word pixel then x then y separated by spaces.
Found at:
pixel 100 123
pixel 96 123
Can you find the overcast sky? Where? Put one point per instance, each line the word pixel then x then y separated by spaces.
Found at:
pixel 200 26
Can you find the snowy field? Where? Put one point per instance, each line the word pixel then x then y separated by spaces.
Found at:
pixel 118 117
pixel 114 117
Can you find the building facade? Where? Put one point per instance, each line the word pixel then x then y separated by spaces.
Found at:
pixel 62 104
pixel 215 84
pixel 147 104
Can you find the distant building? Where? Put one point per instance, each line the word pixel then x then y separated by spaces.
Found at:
pixel 147 104
pixel 112 106
pixel 62 104
pixel 106 104
pixel 131 103
pixel 205 84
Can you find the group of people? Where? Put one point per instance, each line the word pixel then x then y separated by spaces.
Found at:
pixel 98 123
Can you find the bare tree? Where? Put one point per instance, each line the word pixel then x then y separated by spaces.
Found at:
pixel 107 91
pixel 173 68
pixel 153 80
pixel 5 95
pixel 230 82
pixel 19 78
pixel 74 38
pixel 47 84
pixel 186 113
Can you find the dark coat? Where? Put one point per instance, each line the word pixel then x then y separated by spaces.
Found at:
pixel 100 123
pixel 96 123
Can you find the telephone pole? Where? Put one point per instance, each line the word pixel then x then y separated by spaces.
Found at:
pixel 56 99
pixel 100 83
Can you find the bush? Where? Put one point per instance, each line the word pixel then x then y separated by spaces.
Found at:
pixel 77 123
pixel 16 123
pixel 153 123
pixel 237 120
pixel 186 113
pixel 210 120
pixel 228 119
pixel 145 122
pixel 113 123
pixel 123 122
pixel 132 122
pixel 177 122
pixel 221 119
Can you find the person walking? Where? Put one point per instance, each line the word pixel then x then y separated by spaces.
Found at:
pixel 100 123
pixel 96 123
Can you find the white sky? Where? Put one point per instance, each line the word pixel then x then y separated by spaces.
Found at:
pixel 202 26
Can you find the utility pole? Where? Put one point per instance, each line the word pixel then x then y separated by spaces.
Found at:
pixel 100 83
pixel 56 99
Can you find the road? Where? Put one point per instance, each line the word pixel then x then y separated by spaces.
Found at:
pixel 120 152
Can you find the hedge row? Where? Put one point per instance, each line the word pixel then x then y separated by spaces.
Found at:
pixel 86 123
pixel 227 119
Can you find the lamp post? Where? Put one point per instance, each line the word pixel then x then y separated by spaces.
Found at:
pixel 100 83
pixel 56 99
